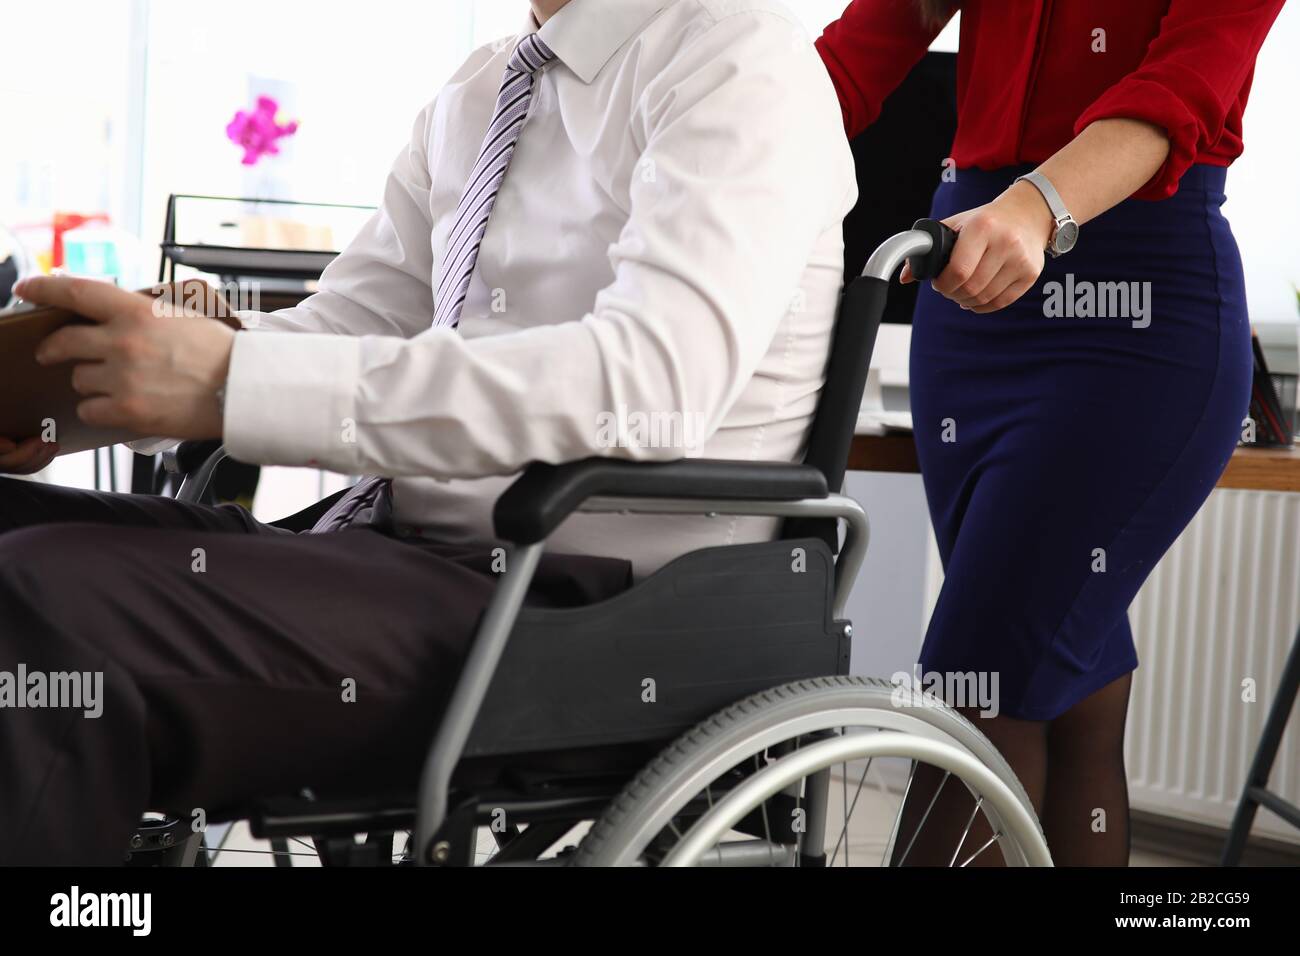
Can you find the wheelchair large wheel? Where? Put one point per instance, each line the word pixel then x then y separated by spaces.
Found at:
pixel 774 780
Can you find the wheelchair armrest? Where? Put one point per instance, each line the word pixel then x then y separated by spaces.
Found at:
pixel 195 462
pixel 189 456
pixel 544 495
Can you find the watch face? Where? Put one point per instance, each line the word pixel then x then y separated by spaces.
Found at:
pixel 1067 234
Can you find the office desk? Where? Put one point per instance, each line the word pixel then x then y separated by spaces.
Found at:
pixel 1251 469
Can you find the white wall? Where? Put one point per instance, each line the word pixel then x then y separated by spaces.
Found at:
pixel 1263 185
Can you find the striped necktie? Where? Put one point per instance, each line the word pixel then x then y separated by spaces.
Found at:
pixel 370 497
pixel 485 182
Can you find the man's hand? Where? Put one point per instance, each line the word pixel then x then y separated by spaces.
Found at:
pixel 26 457
pixel 143 365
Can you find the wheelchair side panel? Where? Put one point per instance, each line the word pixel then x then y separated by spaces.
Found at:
pixel 705 631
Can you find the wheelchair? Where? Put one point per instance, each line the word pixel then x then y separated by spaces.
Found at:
pixel 706 715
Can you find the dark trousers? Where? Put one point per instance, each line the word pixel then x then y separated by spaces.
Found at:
pixel 238 660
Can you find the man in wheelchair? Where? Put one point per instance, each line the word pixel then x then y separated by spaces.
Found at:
pixel 616 236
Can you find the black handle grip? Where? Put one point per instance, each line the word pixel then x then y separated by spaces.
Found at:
pixel 933 262
pixel 192 455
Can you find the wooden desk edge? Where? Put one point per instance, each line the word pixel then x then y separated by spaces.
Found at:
pixel 1251 469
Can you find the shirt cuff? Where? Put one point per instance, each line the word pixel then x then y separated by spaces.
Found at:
pixel 152 446
pixel 290 400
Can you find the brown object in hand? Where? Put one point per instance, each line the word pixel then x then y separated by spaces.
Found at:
pixel 38 400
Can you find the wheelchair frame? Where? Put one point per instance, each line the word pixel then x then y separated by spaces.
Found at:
pixel 545 495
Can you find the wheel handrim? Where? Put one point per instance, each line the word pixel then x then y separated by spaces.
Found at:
pixel 1012 824
pixel 676 796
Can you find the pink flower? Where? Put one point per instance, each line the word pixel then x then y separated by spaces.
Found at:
pixel 258 132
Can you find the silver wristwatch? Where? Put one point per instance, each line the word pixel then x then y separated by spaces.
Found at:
pixel 1066 233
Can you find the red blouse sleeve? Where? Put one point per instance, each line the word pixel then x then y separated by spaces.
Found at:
pixel 868 51
pixel 1191 78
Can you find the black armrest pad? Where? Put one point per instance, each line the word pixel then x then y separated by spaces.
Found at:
pixel 544 495
pixel 190 455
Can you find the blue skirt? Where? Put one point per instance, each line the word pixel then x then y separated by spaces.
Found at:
pixel 1067 440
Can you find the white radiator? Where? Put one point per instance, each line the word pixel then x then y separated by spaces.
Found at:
pixel 1222 606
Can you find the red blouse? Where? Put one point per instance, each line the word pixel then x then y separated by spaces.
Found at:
pixel 1032 74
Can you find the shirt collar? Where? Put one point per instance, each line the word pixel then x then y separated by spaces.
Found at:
pixel 586 33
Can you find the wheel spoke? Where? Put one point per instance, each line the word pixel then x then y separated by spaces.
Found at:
pixel 844 788
pixel 965 833
pixel 844 832
pixel 767 832
pixel 898 817
pixel 933 800
pixel 801 815
pixel 802 834
pixel 990 842
pixel 276 853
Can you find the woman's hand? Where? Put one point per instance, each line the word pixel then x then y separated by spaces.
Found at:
pixel 141 364
pixel 999 251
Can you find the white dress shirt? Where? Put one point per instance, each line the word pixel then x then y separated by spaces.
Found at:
pixel 665 253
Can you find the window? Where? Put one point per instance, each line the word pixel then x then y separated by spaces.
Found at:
pixel 68 117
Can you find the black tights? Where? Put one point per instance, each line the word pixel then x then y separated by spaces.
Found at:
pixel 1072 769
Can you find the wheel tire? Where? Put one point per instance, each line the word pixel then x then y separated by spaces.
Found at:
pixel 610 836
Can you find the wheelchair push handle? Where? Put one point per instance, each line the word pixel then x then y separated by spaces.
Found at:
pixel 926 247
pixel 928 265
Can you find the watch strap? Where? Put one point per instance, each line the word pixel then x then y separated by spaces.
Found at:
pixel 1053 198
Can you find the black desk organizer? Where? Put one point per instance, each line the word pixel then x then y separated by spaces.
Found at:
pixel 285 272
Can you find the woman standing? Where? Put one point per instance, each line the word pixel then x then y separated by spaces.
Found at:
pixel 1080 372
